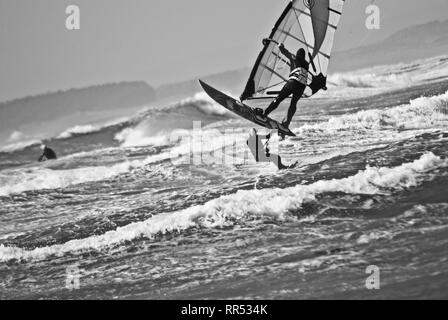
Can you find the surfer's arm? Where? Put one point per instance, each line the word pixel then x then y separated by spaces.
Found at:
pixel 286 53
pixel 41 158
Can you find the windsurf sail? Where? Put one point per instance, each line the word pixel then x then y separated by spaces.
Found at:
pixel 307 24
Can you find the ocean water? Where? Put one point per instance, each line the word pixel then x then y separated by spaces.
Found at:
pixel 151 207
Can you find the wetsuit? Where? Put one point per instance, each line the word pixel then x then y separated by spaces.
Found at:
pixel 295 85
pixel 48 154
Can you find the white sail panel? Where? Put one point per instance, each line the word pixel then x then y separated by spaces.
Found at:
pixel 308 24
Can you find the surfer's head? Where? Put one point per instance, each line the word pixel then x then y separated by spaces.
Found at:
pixel 43 146
pixel 300 54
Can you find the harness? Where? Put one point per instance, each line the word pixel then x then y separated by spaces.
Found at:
pixel 300 75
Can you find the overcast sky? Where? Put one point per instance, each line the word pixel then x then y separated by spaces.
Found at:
pixel 159 41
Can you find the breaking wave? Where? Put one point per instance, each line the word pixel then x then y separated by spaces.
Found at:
pixel 138 137
pixel 386 76
pixel 204 104
pixel 151 126
pixel 90 128
pixel 77 130
pixel 157 127
pixel 225 210
pixel 368 80
pixel 17 146
pixel 17 181
pixel 420 113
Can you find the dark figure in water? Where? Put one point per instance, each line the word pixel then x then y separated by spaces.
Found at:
pixel 47 154
pixel 296 84
pixel 261 151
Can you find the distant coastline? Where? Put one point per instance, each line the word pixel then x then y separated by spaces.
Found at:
pixel 417 42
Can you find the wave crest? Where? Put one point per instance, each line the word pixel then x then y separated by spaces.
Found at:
pixel 420 113
pixel 368 80
pixel 225 210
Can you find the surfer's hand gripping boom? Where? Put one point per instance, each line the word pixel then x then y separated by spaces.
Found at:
pixel 266 42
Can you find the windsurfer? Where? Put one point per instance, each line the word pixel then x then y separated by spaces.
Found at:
pixel 296 84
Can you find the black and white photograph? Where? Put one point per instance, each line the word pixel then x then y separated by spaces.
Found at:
pixel 201 151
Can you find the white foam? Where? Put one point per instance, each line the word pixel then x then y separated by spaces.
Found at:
pixel 88 128
pixel 368 80
pixel 420 113
pixel 18 141
pixel 150 132
pixel 138 137
pixel 207 105
pixel 14 181
pixel 226 210
pixel 38 178
pixel 201 101
pixel 17 146
pixel 382 78
pixel 17 181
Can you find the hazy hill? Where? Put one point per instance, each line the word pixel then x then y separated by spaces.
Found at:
pixel 231 80
pixel 417 42
pixel 51 106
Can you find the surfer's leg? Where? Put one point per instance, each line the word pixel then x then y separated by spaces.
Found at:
pixel 293 107
pixel 291 111
pixel 284 93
